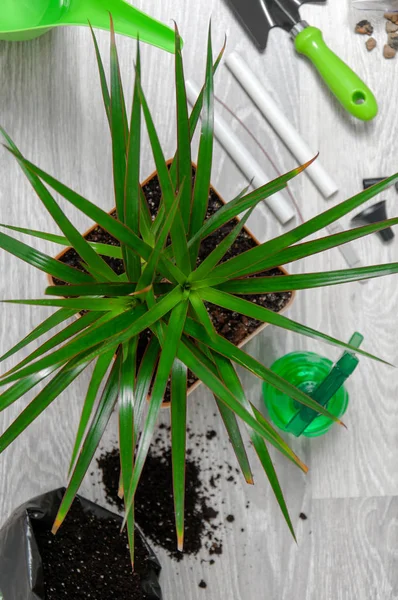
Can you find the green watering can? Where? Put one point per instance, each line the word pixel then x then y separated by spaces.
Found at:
pixel 28 19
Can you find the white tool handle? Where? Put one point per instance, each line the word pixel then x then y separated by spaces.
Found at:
pixel 280 123
pixel 245 161
pixel 347 251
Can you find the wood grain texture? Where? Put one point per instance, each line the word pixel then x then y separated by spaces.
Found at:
pixel 51 105
pixel 344 558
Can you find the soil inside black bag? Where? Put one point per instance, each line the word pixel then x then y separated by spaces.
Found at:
pixel 231 325
pixel 89 559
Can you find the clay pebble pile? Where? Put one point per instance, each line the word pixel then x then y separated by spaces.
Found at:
pixel 390 48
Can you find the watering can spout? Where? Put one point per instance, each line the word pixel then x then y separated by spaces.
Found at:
pixel 24 19
pixel 127 20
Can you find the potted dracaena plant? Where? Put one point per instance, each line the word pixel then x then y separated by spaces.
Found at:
pixel 164 292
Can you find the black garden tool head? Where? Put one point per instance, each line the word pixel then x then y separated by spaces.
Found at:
pixel 259 16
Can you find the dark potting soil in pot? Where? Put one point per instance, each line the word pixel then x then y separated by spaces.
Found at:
pixel 89 558
pixel 231 325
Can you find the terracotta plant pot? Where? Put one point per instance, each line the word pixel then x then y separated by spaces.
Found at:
pixel 249 336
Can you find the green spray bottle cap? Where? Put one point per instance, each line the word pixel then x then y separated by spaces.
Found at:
pixel 321 380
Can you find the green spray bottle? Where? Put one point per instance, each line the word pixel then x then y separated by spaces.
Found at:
pixel 321 380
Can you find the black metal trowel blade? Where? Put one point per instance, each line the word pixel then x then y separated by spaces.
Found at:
pixel 259 16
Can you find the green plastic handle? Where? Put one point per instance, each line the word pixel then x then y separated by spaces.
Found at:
pixel 348 88
pixel 27 19
pixel 327 388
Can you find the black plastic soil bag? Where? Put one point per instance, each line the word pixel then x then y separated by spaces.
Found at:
pixel 21 571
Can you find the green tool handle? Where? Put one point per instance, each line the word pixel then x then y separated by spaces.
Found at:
pixel 348 88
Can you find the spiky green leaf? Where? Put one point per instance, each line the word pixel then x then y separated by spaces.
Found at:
pixel 95 264
pixel 250 309
pixel 264 285
pixel 52 321
pixel 126 428
pixel 102 249
pixel 99 372
pixel 132 189
pixel 167 356
pixel 91 441
pixel 106 289
pixel 94 304
pixel 18 389
pixel 50 392
pixel 205 155
pixel 178 444
pixel 231 379
pixel 69 331
pixel 201 313
pixel 183 156
pixel 104 85
pixel 178 234
pixel 229 350
pixel 243 202
pixel 212 260
pixel 144 379
pixel 119 127
pixel 41 261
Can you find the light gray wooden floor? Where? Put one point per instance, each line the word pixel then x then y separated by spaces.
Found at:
pixel 50 103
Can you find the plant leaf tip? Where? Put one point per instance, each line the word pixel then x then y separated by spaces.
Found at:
pixel 56 526
pixel 304 166
pixel 180 542
pixel 112 29
pixel 303 467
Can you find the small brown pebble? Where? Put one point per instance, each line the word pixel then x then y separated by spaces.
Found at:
pixel 364 28
pixel 370 44
pixel 391 27
pixel 391 16
pixel 393 40
pixel 202 584
pixel 389 52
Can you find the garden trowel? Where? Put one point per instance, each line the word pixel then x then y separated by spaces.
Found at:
pixel 259 16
